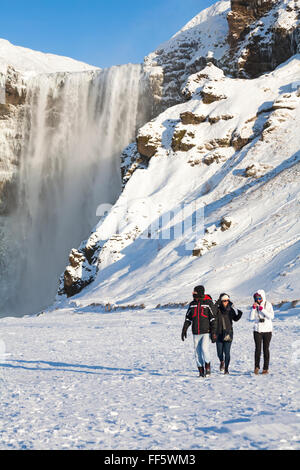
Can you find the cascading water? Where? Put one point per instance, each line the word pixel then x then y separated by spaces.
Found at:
pixel 75 127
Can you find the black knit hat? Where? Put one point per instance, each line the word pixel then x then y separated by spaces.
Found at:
pixel 200 291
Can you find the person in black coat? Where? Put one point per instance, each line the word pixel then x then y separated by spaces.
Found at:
pixel 226 314
pixel 201 316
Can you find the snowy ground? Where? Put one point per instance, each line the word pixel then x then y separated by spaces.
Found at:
pixel 85 380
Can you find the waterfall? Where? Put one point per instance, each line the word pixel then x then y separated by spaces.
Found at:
pixel 75 128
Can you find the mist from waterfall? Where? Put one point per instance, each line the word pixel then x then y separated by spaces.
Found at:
pixel 75 128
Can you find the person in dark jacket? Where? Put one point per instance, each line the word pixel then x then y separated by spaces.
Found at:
pixel 201 315
pixel 225 315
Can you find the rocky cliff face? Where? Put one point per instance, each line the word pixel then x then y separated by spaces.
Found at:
pixel 202 40
pixel 243 14
pixel 11 119
pixel 262 35
pixel 243 38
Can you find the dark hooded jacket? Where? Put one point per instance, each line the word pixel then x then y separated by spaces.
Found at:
pixel 201 315
pixel 225 316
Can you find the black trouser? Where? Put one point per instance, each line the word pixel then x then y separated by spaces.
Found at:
pixel 265 339
pixel 223 349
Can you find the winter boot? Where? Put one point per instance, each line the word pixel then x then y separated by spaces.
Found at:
pixel 201 372
pixel 222 366
pixel 265 372
pixel 256 370
pixel 207 368
pixel 226 372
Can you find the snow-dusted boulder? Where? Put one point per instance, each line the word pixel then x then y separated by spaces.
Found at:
pixel 257 170
pixel 188 117
pixel 79 274
pixel 149 139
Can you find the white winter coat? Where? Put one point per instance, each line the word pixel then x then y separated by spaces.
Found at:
pixel 267 314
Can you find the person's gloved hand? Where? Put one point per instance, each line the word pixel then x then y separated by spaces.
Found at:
pixel 260 308
pixel 213 338
pixel 184 330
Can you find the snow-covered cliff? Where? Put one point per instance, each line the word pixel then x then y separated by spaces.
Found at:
pixel 229 145
pixel 245 39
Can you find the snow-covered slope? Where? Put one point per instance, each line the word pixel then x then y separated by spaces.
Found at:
pixel 233 148
pixel 27 60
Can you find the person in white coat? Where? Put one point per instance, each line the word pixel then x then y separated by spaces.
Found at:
pixel 262 314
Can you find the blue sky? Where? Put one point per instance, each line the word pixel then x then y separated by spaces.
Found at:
pixel 99 32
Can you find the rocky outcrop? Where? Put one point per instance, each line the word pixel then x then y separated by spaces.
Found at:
pixel 12 100
pixel 15 91
pixel 132 160
pixel 262 35
pixel 212 238
pixel 188 117
pixel 147 144
pixel 257 170
pixel 183 140
pixel 246 40
pixel 243 14
pixel 149 139
pixel 81 271
pixel 185 54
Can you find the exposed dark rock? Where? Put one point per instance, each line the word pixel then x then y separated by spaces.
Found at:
pixel 15 92
pixel 178 142
pixel 147 145
pixel 189 117
pixel 243 14
pixel 131 160
pixel 226 223
pixel 72 281
pixel 259 46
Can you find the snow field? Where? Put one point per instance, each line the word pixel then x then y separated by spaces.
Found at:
pixel 126 381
